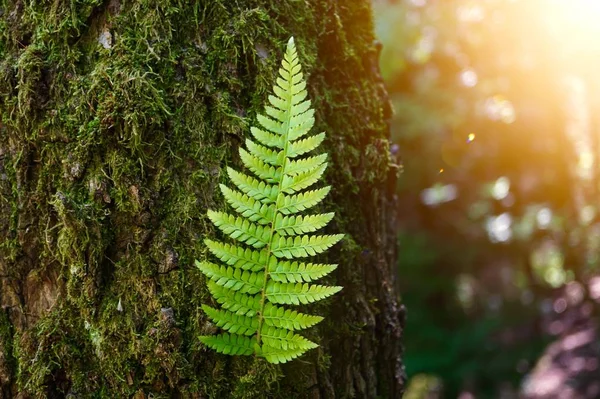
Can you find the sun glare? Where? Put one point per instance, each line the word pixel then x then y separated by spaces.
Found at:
pixel 585 5
pixel 579 15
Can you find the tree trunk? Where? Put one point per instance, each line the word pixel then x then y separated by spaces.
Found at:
pixel 116 122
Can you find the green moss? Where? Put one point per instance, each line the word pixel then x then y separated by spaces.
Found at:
pixel 7 360
pixel 259 381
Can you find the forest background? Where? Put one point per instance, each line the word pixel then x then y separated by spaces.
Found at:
pixel 497 126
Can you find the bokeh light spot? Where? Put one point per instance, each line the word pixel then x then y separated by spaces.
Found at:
pixel 469 78
pixel 501 188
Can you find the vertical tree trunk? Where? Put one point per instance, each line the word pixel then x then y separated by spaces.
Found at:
pixel 117 119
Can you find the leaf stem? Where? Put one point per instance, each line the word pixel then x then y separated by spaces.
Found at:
pixel 276 209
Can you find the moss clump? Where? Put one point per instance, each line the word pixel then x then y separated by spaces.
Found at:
pixel 116 121
pixel 7 359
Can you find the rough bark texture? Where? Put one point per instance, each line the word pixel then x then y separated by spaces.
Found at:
pixel 117 119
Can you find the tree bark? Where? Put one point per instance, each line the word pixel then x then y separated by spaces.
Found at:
pixel 116 122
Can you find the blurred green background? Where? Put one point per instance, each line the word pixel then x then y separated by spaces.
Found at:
pixel 497 125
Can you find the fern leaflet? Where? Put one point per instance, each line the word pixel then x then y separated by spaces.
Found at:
pixel 259 272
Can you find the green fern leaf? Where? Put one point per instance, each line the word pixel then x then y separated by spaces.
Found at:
pixel 272 126
pixel 294 272
pixel 304 165
pixel 235 279
pixel 306 145
pixel 232 322
pixel 256 189
pixel 260 168
pixel 291 225
pixel 289 204
pixel 301 108
pixel 276 113
pixel 240 229
pixel 242 258
pixel 266 138
pixel 284 339
pixel 296 294
pixel 247 305
pixel 254 279
pixel 277 316
pixel 253 210
pixel 292 184
pixel 301 124
pixel 276 355
pixel 302 246
pixel 230 344
pixel 241 304
pixel 265 154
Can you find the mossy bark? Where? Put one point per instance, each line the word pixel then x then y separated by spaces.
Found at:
pixel 117 119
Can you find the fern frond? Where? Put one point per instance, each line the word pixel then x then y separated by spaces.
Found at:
pixel 296 294
pixel 256 189
pixel 302 246
pixel 293 184
pixel 278 355
pixel 284 339
pixel 276 113
pixel 240 229
pixel 289 204
pixel 301 108
pixel 305 145
pixel 294 272
pixel 304 165
pixel 265 154
pixel 266 138
pixel 277 316
pixel 259 168
pixel 253 279
pixel 247 305
pixel 230 344
pixel 241 304
pixel 291 225
pixel 234 279
pixel 278 102
pixel 253 210
pixel 241 258
pixel 301 124
pixel 272 126
pixel 232 322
